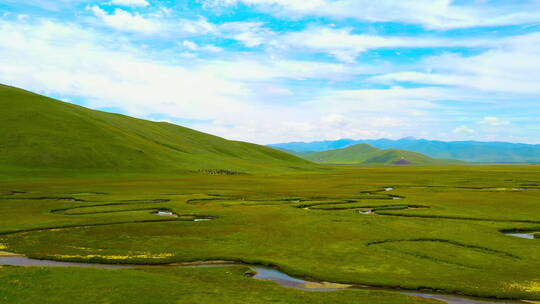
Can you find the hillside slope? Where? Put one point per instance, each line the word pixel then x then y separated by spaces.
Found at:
pixel 353 154
pixel 368 155
pixel 40 132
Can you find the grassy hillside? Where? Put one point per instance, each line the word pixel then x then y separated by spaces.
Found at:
pixel 368 155
pixel 353 154
pixel 43 133
pixel 401 157
pixel 300 154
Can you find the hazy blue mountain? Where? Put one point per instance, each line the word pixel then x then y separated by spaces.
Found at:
pixel 471 151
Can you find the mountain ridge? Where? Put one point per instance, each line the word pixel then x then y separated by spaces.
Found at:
pixel 367 155
pixel 470 151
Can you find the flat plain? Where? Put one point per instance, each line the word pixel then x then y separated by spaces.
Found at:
pixel 437 229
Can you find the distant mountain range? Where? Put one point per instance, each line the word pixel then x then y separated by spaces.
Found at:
pixel 367 155
pixel 470 151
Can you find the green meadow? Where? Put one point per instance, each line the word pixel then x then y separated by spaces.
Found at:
pixel 166 285
pixel 78 185
pixel 430 229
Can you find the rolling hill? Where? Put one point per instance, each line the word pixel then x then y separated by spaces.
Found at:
pixel 368 155
pixel 43 133
pixel 470 151
pixel 353 154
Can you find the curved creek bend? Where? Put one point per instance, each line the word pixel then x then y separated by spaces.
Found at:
pixel 261 273
pixel 524 235
pixel 267 273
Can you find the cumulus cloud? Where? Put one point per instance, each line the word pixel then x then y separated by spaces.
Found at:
pixel 509 67
pixel 492 121
pixel 65 59
pixel 200 26
pixel 188 69
pixel 125 21
pixel 237 96
pixel 107 76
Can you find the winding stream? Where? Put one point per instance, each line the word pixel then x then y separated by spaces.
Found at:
pixel 166 213
pixel 262 273
pixel 523 235
pixel 24 261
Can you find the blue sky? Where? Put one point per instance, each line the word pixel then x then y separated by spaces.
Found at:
pixel 269 71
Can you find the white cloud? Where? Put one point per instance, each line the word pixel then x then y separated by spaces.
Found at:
pixel 492 121
pixel 436 14
pixel 251 34
pixel 338 42
pixel 161 22
pixel 298 5
pixel 238 96
pixel 464 131
pixel 380 113
pixel 22 17
pixel 44 56
pixel 190 45
pixel 380 102
pixel 193 46
pixel 125 21
pixel 245 96
pixel 188 55
pixel 131 2
pixel 510 67
pixel 196 27
pixel 261 69
pixel 345 46
pixel 336 120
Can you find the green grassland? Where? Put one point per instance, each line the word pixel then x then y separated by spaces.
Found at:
pixel 368 155
pixel 439 228
pixel 83 185
pixel 166 285
pixel 43 136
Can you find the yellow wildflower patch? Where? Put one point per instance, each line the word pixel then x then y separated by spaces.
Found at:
pixel 532 286
pixel 86 248
pixel 115 257
pixel 323 285
pixel 3 246
pixel 8 254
